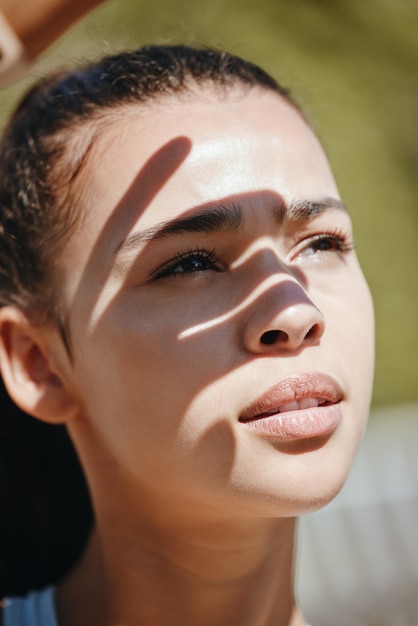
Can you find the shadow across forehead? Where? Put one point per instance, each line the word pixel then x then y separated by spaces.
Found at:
pixel 228 216
pixel 150 179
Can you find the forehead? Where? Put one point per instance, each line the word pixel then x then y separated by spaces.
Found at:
pixel 201 145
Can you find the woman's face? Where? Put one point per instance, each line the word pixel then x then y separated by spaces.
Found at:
pixel 221 325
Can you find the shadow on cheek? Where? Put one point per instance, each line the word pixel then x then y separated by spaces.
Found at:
pixel 216 450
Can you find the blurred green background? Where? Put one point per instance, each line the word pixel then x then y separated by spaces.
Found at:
pixel 353 66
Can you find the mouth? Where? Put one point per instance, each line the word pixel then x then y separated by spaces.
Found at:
pixel 294 405
pixel 298 407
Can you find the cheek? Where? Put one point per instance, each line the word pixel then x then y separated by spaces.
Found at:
pixel 350 324
pixel 150 397
pixel 364 341
pixel 358 315
pixel 137 364
pixel 346 302
pixel 174 334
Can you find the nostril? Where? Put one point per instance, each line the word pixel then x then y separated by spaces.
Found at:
pixel 313 332
pixel 272 336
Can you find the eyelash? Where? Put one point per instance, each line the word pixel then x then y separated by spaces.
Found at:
pixel 341 240
pixel 210 259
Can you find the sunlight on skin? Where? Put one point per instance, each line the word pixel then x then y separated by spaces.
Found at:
pixel 261 289
pixel 138 194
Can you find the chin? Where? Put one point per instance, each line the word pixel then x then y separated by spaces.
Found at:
pixel 314 483
pixel 319 488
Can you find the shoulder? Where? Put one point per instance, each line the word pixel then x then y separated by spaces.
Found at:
pixel 35 609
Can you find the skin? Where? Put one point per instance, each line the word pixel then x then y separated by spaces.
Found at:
pixel 195 509
pixel 39 22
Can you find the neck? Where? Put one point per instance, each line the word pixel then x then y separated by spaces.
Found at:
pixel 179 572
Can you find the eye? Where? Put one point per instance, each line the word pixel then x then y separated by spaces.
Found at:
pixel 187 263
pixel 327 242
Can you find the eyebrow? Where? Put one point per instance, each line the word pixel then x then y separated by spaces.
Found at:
pixel 302 210
pixel 222 218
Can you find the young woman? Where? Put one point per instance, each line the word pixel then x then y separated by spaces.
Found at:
pixel 179 288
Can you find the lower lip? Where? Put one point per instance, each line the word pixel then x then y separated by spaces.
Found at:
pixel 301 424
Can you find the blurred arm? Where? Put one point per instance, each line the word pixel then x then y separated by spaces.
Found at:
pixel 37 23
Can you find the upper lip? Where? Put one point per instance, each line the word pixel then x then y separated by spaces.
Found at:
pixel 317 385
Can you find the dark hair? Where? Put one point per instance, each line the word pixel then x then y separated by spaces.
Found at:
pixel 46 513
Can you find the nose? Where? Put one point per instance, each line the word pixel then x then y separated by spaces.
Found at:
pixel 283 319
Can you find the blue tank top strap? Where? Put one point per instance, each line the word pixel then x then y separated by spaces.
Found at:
pixel 35 609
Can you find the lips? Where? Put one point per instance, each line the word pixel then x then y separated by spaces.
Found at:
pixel 298 407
